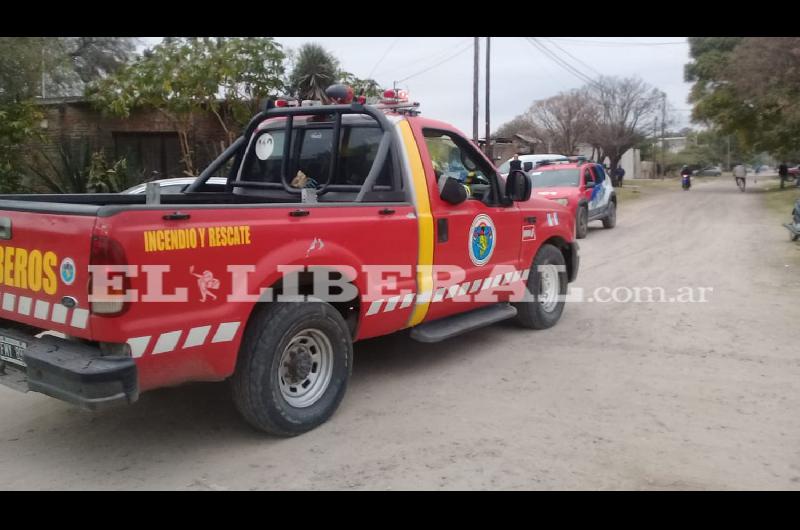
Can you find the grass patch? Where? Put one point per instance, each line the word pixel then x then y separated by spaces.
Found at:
pixel 780 201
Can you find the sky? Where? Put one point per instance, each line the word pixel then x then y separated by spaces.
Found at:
pixel 438 71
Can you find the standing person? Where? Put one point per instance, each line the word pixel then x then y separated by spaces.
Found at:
pixel 740 174
pixel 619 173
pixel 515 163
pixel 783 172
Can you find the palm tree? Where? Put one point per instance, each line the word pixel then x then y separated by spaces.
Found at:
pixel 315 70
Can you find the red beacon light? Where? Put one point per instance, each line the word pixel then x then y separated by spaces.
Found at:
pixel 281 103
pixel 393 97
pixel 341 94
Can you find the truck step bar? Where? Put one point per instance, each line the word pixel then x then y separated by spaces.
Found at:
pixel 442 329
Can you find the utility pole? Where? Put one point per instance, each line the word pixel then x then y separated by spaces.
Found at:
pixel 729 153
pixel 475 92
pixel 488 151
pixel 43 91
pixel 655 146
pixel 663 126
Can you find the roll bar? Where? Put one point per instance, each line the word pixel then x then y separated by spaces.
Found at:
pixel 238 146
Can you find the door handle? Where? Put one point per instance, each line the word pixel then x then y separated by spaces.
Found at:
pixel 386 211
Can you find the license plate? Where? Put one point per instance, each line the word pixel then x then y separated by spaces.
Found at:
pixel 11 351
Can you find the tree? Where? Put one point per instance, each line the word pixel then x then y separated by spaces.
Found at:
pixel 521 124
pixel 37 66
pixel 748 87
pixel 563 119
pixel 623 112
pixel 182 76
pixel 368 88
pixel 18 124
pixel 315 69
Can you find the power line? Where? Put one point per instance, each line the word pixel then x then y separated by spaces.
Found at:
pixel 560 62
pixel 466 48
pixel 617 43
pixel 575 58
pixel 392 45
pixel 433 57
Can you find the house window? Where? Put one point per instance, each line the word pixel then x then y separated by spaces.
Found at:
pixel 151 155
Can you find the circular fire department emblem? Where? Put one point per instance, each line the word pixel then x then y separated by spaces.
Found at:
pixel 482 239
pixel 67 271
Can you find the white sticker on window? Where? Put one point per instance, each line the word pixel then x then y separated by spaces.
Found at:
pixel 537 173
pixel 264 146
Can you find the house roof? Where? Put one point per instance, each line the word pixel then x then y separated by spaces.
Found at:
pixel 526 138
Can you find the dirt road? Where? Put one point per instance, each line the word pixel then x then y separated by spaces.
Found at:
pixel 617 396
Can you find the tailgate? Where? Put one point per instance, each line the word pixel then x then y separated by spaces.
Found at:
pixel 44 277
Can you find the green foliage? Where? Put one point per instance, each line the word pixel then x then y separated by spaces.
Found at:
pixel 69 172
pixel 368 88
pixel 109 179
pixel 18 124
pixel 63 65
pixel 748 87
pixel 68 63
pixel 183 75
pixel 315 69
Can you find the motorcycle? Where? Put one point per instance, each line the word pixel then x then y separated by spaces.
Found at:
pixel 686 181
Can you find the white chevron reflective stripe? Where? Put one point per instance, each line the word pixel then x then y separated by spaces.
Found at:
pixel 386 305
pixel 168 341
pixel 41 310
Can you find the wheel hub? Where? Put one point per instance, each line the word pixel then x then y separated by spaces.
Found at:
pixel 299 365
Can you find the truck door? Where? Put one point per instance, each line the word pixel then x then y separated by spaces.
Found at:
pixel 473 237
pixel 599 194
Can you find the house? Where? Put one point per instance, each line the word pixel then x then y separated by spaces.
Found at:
pixel 147 138
pixel 631 161
pixel 505 148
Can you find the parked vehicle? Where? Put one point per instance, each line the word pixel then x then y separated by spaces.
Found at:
pixel 269 284
pixel 582 187
pixel 179 185
pixel 531 160
pixel 710 171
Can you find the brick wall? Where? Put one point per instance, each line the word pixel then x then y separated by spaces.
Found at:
pixel 76 121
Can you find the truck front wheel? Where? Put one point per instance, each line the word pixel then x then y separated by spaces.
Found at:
pixel 293 368
pixel 546 288
pixel 582 222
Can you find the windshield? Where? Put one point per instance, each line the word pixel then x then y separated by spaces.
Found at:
pixel 555 177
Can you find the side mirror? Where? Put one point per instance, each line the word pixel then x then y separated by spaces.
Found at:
pixel 527 166
pixel 518 186
pixel 452 191
pixel 589 185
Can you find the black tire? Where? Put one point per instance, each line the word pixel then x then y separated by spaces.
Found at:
pixel 255 383
pixel 582 222
pixel 531 313
pixel 610 220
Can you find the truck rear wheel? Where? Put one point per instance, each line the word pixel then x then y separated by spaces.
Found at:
pixel 293 368
pixel 546 287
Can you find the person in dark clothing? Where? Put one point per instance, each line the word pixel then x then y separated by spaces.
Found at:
pixel 515 163
pixel 783 172
pixel 619 174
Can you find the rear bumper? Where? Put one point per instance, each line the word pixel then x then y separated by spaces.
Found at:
pixel 71 371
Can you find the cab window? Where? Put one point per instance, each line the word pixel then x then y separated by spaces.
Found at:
pixel 312 148
pixel 452 157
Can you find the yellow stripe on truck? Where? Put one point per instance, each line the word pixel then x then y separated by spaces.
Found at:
pixel 425 223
